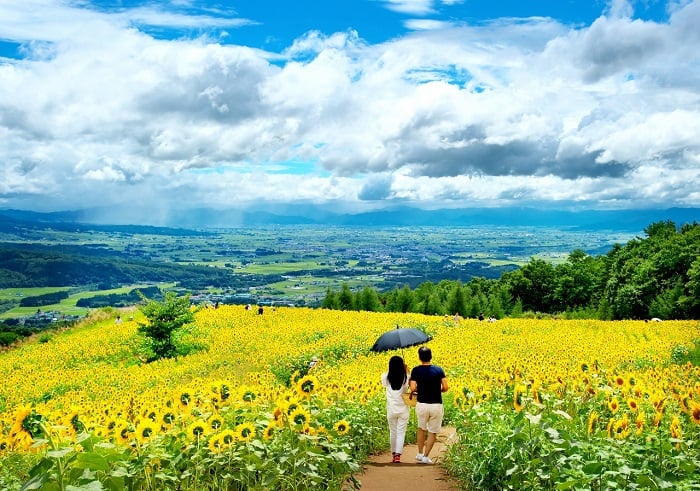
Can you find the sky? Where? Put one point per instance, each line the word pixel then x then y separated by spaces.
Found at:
pixel 350 104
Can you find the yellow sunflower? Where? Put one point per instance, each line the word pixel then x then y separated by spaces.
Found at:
pixel 614 405
pixel 536 391
pixel 248 394
pixel 658 400
pixel 245 432
pixel 215 444
pixel 675 429
pixel 592 420
pixel 224 391
pixel 640 422
pixel 342 427
pixel 123 432
pixel 167 419
pixel 21 417
pixel 291 406
pixel 632 404
pixel 270 431
pixel 197 429
pixel 184 398
pixel 215 422
pixel 146 430
pixel 151 414
pixel 620 428
pixel 228 437
pixel 307 385
pixel 300 417
pixel 518 394
pixel 695 414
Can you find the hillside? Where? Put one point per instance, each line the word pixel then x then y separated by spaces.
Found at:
pixel 231 413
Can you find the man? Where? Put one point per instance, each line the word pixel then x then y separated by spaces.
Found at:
pixel 430 382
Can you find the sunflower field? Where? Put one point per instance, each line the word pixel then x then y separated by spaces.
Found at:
pixel 537 403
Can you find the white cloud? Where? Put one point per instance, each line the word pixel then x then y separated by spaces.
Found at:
pixel 451 114
pixel 427 24
pixel 413 7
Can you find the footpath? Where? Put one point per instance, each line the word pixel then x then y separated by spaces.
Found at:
pixel 381 474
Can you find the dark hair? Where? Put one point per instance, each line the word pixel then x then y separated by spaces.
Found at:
pixel 424 354
pixel 397 372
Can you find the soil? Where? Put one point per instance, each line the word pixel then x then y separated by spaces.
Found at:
pixel 381 474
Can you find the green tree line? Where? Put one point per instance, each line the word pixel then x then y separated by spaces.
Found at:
pixel 657 275
pixel 45 299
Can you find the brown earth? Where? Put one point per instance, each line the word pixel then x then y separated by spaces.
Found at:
pixel 381 474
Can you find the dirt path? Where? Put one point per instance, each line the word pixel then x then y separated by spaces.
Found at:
pixel 381 474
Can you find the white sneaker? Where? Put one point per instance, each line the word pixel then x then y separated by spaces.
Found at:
pixel 426 460
pixel 420 457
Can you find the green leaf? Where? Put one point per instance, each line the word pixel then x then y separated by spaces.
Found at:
pixel 593 468
pixel 91 461
pixel 534 418
pixel 566 485
pixel 41 468
pixel 119 472
pixel 93 486
pixel 552 432
pixel 114 484
pixel 35 482
pixel 60 453
pixel 563 414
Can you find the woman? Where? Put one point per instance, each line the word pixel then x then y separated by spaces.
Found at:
pixel 395 381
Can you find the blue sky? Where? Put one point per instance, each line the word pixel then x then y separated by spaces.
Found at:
pixel 356 104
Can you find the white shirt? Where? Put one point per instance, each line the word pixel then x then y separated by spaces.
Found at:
pixel 394 399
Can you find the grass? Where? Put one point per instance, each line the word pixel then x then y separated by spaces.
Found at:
pixel 67 306
pixel 280 267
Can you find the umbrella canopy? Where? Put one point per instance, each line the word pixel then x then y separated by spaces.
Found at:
pixel 400 338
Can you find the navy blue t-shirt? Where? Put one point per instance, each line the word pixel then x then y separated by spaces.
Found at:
pixel 429 380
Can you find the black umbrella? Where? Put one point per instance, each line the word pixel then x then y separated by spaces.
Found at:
pixel 400 338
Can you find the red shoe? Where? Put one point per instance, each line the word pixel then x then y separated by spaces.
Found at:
pixel 397 458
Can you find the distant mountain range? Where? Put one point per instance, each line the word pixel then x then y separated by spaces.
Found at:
pixel 205 218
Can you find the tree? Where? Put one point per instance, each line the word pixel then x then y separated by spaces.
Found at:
pixel 331 300
pixel 345 298
pixel 457 300
pixel 575 281
pixel 533 284
pixel 369 300
pixel 404 300
pixel 164 320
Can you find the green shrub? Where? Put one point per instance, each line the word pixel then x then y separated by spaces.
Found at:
pixel 7 338
pixel 681 354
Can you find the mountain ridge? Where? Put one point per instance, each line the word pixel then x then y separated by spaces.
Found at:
pixel 208 218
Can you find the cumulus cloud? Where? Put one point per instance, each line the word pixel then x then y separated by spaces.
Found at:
pixel 377 187
pixel 99 109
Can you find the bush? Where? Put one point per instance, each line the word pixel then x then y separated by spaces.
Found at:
pixel 7 338
pixel 681 354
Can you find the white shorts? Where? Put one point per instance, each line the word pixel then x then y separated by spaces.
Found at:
pixel 429 417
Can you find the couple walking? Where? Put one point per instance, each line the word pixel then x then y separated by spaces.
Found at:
pixel 430 382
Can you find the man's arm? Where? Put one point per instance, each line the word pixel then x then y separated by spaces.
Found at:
pixel 443 385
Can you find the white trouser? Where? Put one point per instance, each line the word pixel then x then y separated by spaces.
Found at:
pixel 398 422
